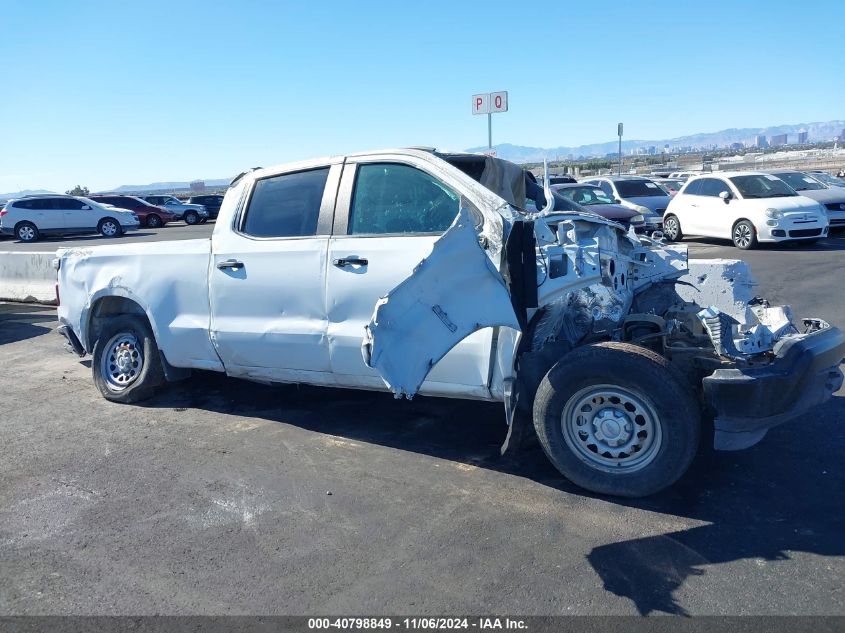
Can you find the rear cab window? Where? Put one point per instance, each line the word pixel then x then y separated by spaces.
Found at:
pixel 287 205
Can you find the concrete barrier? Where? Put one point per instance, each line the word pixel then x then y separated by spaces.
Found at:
pixel 28 277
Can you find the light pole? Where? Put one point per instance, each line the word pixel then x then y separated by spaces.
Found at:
pixel 619 132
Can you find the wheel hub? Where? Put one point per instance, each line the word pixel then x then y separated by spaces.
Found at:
pixel 122 361
pixel 611 428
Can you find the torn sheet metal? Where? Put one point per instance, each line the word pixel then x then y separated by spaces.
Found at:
pixel 452 293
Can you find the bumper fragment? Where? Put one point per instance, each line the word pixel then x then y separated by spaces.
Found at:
pixel 72 342
pixel 748 401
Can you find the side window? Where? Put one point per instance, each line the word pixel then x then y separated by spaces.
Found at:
pixel 693 188
pixel 712 187
pixel 287 205
pixel 23 204
pixel 605 186
pixel 393 198
pixel 69 204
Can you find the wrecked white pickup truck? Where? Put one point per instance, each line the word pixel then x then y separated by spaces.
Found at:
pixel 421 272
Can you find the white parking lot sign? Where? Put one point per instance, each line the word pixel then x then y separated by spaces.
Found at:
pixel 488 103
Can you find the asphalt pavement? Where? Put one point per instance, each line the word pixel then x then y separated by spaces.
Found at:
pixel 226 497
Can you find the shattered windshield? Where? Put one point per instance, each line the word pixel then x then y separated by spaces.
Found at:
pixel 762 186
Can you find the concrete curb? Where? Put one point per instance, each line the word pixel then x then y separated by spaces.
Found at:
pixel 27 277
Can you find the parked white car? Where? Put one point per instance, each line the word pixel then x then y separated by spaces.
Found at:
pixel 31 217
pixel 745 207
pixel 399 270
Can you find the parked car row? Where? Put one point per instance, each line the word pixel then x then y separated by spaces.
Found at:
pixel 31 217
pixel 34 216
pixel 746 207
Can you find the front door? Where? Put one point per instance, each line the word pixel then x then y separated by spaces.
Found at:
pixel 267 278
pixel 389 215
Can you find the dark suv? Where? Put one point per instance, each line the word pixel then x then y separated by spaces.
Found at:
pixel 149 214
pixel 211 202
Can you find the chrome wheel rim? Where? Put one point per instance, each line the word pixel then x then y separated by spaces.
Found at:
pixel 611 429
pixel 742 235
pixel 154 222
pixel 26 233
pixel 109 228
pixel 122 361
pixel 670 228
pixel 191 218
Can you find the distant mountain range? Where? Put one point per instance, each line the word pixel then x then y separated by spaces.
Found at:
pixel 21 194
pixel 822 131
pixel 170 186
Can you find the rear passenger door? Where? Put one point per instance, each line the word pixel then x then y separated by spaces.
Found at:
pixel 267 278
pixel 47 214
pixel 389 215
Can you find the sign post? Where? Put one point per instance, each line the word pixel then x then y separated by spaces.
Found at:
pixel 489 103
pixel 619 132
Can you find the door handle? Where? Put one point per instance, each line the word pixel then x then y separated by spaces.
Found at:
pixel 234 264
pixel 350 261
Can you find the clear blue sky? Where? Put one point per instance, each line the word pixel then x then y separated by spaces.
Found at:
pixel 104 93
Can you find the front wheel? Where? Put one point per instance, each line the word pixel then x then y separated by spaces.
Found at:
pixel 110 228
pixel 744 235
pixel 126 363
pixel 191 217
pixel 616 419
pixel 153 221
pixel 672 229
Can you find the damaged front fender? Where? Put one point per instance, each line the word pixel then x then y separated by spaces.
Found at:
pixel 452 293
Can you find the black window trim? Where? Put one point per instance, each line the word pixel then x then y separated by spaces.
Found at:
pixel 324 215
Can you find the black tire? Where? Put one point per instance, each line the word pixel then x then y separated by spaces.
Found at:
pixel 744 235
pixel 667 436
pixel 672 228
pixel 154 221
pixel 103 228
pixel 26 232
pixel 115 354
pixel 191 217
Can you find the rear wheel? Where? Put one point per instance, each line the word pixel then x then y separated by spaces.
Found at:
pixel 154 221
pixel 616 419
pixel 672 228
pixel 26 232
pixel 191 217
pixel 126 364
pixel 744 235
pixel 109 227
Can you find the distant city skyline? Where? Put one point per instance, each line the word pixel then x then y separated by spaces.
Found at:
pixel 102 93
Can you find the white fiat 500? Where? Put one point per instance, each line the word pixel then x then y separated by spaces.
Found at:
pixel 745 207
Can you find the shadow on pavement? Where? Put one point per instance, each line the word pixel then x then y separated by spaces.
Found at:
pixel 18 321
pixel 784 495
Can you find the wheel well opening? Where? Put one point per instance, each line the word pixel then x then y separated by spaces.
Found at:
pixel 106 308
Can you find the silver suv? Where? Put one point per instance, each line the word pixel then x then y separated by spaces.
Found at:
pixel 191 213
pixel 637 193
